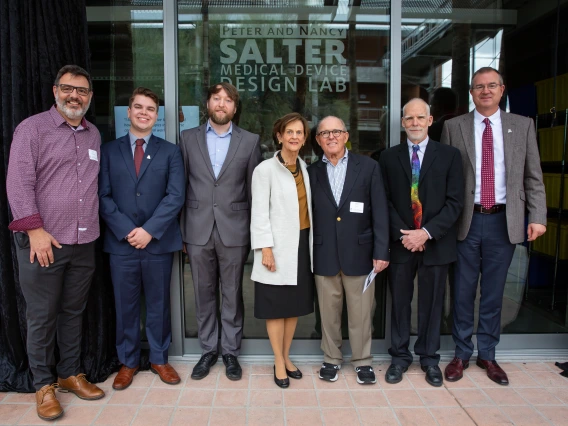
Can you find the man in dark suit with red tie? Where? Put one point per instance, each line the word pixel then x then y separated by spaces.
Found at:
pixel 141 191
pixel 424 186
pixel 503 182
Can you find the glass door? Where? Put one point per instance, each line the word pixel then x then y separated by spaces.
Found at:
pixel 287 56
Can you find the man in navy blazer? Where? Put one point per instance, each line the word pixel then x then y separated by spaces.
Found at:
pixel 351 238
pixel 141 191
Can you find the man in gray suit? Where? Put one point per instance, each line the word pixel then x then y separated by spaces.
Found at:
pixel 219 159
pixel 503 180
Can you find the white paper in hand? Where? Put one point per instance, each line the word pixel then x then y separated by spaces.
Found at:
pixel 369 280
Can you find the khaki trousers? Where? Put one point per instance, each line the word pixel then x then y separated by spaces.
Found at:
pixel 331 291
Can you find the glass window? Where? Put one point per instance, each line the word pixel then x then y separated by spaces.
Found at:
pixel 441 48
pixel 127 50
pixel 285 56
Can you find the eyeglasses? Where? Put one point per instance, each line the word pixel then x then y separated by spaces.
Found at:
pixel 67 88
pixel 325 133
pixel 490 86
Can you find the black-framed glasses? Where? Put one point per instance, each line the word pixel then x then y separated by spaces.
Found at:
pixel 67 88
pixel 335 132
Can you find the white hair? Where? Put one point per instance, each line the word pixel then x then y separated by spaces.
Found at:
pixel 417 100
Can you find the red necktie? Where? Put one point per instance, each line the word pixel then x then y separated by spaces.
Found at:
pixel 138 155
pixel 487 167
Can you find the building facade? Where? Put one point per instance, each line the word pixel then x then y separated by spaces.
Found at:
pixel 361 61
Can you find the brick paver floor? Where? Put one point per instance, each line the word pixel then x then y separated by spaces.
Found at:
pixel 537 395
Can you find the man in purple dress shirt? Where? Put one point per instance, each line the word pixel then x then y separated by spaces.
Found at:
pixel 52 191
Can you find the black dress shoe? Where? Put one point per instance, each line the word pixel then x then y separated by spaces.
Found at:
pixel 205 363
pixel 433 375
pixel 394 373
pixel 283 383
pixel 233 370
pixel 297 374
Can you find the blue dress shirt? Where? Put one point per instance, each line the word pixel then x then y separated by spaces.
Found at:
pixel 218 146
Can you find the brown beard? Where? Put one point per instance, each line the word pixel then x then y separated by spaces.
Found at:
pixel 220 121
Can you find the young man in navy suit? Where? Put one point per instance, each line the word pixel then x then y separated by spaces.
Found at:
pixel 141 191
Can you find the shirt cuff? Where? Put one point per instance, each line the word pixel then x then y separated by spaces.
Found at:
pixel 26 223
pixel 429 236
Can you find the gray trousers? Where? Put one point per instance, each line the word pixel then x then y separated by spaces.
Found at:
pixel 56 297
pixel 211 265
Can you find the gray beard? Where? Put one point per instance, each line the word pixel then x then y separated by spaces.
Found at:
pixel 72 114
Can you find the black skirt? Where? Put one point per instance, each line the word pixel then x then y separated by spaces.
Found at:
pixel 287 301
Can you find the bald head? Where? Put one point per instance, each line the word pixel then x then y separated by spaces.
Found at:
pixel 416 101
pixel 333 119
pixel 416 119
pixel 331 135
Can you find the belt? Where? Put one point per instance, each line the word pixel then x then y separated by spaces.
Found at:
pixel 497 208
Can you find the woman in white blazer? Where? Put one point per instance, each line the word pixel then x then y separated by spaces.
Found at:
pixel 281 237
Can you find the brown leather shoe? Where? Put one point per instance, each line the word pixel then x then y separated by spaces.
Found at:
pixel 48 407
pixel 494 372
pixel 166 373
pixel 124 377
pixel 454 370
pixel 80 386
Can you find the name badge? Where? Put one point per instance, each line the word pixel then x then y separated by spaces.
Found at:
pixel 93 155
pixel 356 207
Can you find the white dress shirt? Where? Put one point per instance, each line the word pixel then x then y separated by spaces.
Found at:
pixel 498 156
pixel 420 152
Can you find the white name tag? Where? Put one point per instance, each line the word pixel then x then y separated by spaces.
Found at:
pixel 356 207
pixel 93 155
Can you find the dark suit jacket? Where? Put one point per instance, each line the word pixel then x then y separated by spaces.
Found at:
pixel 344 240
pixel 225 200
pixel 440 190
pixel 151 201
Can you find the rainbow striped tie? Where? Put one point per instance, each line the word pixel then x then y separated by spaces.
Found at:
pixel 416 204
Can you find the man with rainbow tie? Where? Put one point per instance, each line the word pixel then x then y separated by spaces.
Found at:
pixel 423 181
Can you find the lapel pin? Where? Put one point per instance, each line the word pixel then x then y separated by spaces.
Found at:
pixel 509 131
pixel 148 157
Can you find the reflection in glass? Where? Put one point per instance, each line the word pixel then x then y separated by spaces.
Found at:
pixel 127 47
pixel 439 54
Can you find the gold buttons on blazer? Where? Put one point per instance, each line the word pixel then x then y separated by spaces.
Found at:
pixel 339 219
